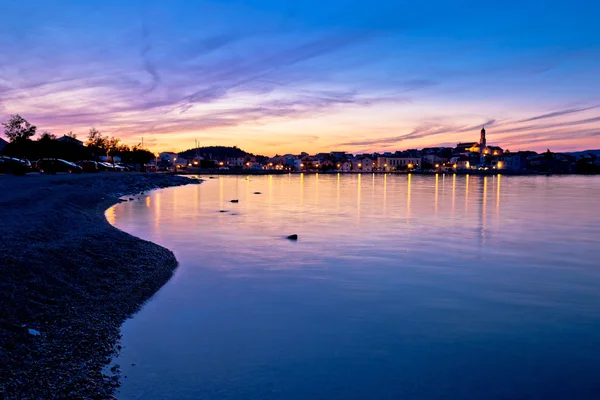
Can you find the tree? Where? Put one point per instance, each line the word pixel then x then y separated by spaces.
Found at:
pixel 18 130
pixel 47 136
pixel 71 135
pixel 97 143
pixel 112 146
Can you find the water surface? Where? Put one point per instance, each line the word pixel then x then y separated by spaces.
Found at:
pixel 399 287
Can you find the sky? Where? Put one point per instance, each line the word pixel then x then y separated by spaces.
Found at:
pixel 275 77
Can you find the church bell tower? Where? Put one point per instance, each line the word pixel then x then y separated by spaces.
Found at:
pixel 482 141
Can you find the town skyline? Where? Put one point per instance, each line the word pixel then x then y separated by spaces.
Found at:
pixel 467 136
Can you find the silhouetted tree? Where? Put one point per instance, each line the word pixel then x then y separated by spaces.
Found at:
pixel 46 136
pixel 17 129
pixel 97 143
pixel 71 135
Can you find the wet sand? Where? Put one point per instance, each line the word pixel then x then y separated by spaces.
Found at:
pixel 70 276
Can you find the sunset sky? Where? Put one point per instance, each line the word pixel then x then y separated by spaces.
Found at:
pixel 273 76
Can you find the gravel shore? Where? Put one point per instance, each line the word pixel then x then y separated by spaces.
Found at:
pixel 68 280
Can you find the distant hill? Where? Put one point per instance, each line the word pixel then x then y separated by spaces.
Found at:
pixel 584 153
pixel 215 152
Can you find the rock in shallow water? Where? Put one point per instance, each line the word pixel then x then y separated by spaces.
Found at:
pixel 293 237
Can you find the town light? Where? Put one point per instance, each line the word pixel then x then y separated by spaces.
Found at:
pixel 410 165
pixel 301 165
pixel 195 162
pixel 454 165
pixel 339 165
pixel 221 163
pixel 270 164
pixel 437 165
pixel 359 165
pixel 247 164
pixel 385 165
pixel 317 165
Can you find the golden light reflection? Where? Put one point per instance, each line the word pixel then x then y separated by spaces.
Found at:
pixel 384 191
pixel 111 215
pixel 408 195
pixel 339 177
pixel 270 190
pixel 317 188
pixel 484 198
pixel 437 182
pixel 483 215
pixel 148 201
pixel 466 192
pixel 358 184
pixel 302 188
pixel 157 209
pixel 498 193
pixel 196 202
pixel 453 193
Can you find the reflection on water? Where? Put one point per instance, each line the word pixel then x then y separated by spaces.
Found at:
pixel 394 289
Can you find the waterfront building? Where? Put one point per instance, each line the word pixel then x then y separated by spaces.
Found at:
pixel 168 157
pixel 433 159
pixel 363 164
pixel 398 163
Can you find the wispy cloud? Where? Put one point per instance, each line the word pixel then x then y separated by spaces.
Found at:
pixel 558 113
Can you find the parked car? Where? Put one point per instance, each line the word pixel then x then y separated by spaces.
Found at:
pixel 118 168
pixel 104 166
pixel 54 165
pixel 89 166
pixel 16 166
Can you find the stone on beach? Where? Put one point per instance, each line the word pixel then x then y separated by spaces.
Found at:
pixel 293 237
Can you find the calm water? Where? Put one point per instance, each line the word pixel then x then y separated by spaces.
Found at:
pixel 400 287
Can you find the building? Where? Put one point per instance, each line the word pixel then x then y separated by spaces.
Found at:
pixel 69 139
pixel 338 154
pixel 235 162
pixel 396 163
pixel 363 164
pixel 433 159
pixel 466 148
pixel 168 157
pixel 461 162
pixel 3 144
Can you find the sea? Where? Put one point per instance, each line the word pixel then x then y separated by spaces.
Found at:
pixel 397 287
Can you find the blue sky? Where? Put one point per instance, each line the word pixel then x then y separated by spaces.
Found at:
pixel 276 77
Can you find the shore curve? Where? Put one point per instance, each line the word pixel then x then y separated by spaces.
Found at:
pixel 69 279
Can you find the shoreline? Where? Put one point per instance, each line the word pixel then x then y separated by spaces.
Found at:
pixel 69 279
pixel 211 172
